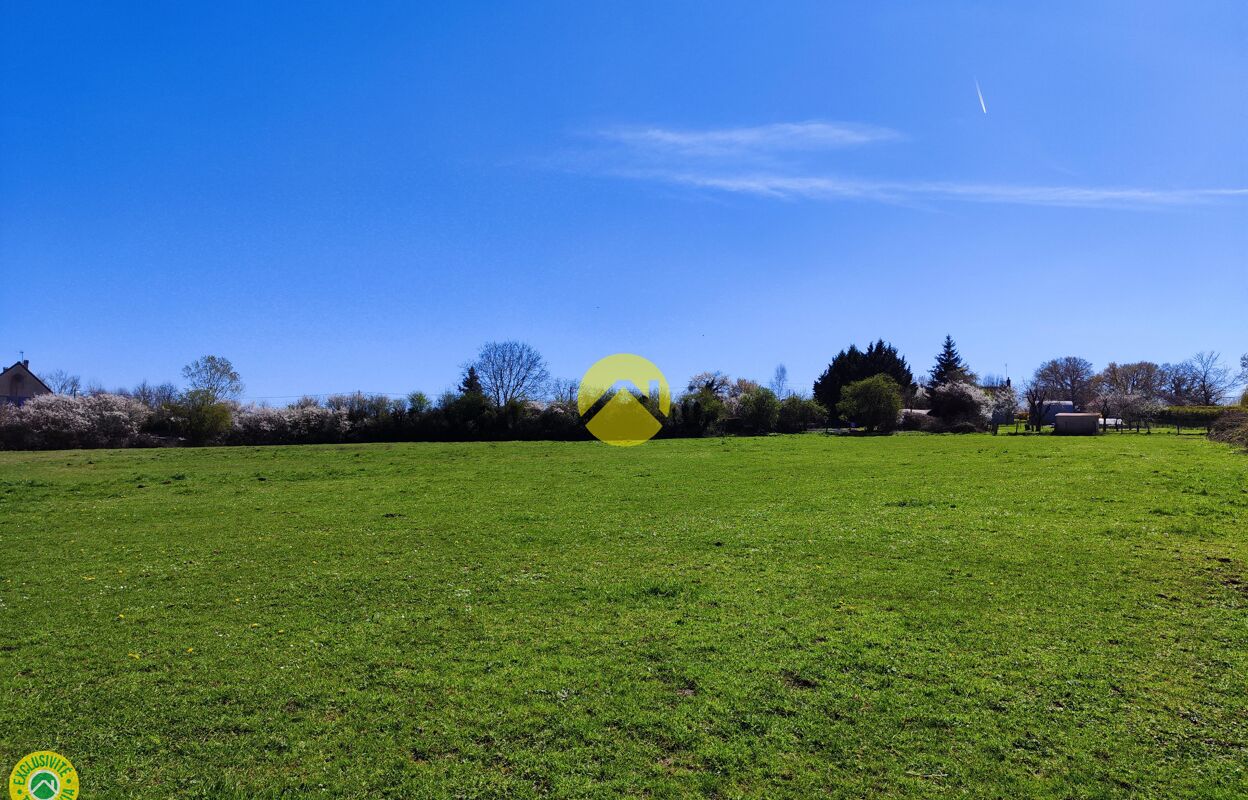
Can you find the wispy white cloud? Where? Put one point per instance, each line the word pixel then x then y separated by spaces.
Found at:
pixel 833 188
pixel 788 161
pixel 756 140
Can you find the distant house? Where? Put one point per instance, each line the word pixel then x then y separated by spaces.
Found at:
pixel 18 384
pixel 1054 407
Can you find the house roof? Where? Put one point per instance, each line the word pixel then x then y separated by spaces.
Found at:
pixel 22 365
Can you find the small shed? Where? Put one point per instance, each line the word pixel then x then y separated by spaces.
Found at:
pixel 1081 424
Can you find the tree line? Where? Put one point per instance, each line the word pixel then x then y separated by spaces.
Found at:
pixel 508 392
pixel 1137 393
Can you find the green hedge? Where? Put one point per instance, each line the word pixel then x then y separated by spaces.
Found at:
pixel 1191 416
pixel 1232 428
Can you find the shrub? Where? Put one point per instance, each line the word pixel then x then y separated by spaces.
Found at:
pixel 852 365
pixel 258 425
pixel 301 423
pixel 13 434
pixel 955 403
pixel 915 421
pixel 699 413
pixel 54 421
pixel 557 421
pixel 1232 428
pixel 873 403
pixel 1190 416
pixel 112 420
pixel 798 414
pixel 1138 410
pixel 315 425
pixel 200 417
pixel 373 417
pixel 1004 404
pixel 468 416
pixel 759 409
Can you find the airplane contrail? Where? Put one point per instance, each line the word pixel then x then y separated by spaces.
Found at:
pixel 981 96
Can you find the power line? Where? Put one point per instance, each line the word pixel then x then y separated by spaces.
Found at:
pixel 324 394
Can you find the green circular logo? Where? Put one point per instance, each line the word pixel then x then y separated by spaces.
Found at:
pixel 44 775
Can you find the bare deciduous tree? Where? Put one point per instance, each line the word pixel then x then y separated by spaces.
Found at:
pixel 61 382
pixel 991 380
pixel 511 371
pixel 1037 393
pixel 1177 382
pixel 563 392
pixel 1211 378
pixel 780 382
pixel 155 396
pixel 215 377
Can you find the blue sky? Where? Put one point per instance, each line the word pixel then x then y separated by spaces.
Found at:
pixel 342 197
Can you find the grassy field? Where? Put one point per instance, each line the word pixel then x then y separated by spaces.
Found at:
pixel 911 616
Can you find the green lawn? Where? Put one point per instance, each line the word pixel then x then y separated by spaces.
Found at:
pixel 911 616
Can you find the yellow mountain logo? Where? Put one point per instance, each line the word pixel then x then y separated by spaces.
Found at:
pixel 623 419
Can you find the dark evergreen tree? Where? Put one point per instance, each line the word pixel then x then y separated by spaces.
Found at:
pixel 880 358
pixel 471 384
pixel 950 367
pixel 844 370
